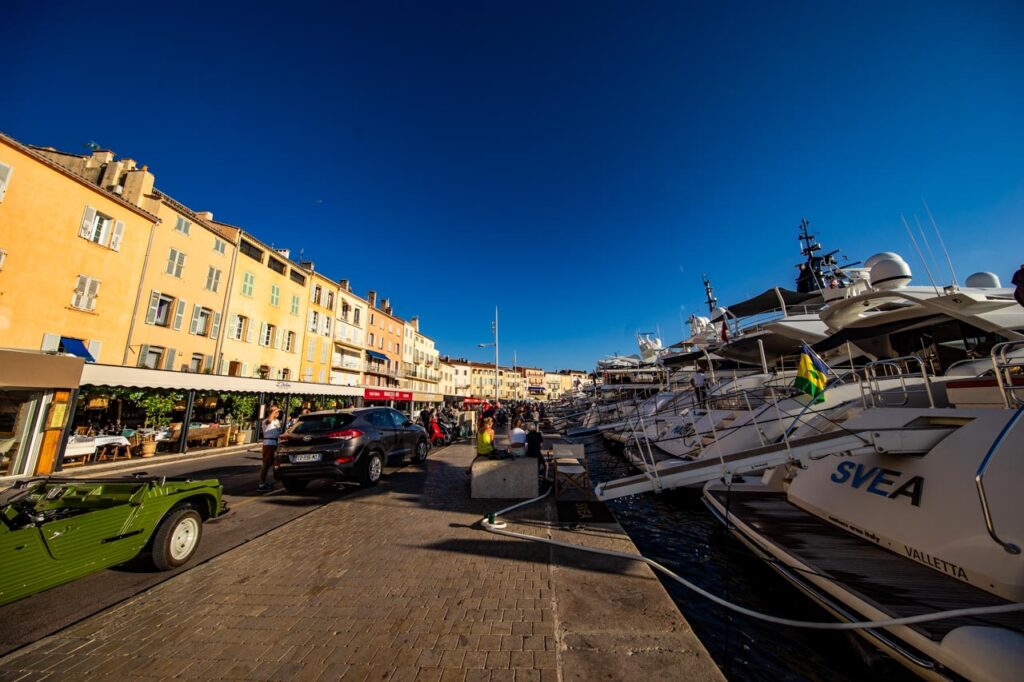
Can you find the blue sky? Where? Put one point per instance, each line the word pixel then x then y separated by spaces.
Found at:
pixel 578 164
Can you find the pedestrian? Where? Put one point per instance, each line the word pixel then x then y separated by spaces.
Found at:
pixel 271 432
pixel 1018 281
pixel 699 382
pixel 517 439
pixel 534 441
pixel 425 418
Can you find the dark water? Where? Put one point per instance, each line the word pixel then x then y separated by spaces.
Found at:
pixel 675 529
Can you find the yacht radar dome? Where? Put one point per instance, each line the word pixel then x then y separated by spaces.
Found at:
pixel 983 280
pixel 885 255
pixel 889 273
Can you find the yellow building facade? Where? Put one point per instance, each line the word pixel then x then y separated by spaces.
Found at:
pixel 350 320
pixel 71 257
pixel 318 337
pixel 266 313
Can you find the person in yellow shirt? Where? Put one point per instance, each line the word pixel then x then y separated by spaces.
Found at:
pixel 485 437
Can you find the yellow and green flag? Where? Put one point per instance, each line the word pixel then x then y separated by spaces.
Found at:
pixel 811 374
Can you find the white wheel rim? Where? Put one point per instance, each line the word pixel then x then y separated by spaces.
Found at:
pixel 421 450
pixel 184 538
pixel 375 468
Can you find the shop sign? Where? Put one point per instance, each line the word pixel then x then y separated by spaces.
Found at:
pixel 380 394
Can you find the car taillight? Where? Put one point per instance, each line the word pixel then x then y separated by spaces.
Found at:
pixel 347 434
pixel 344 460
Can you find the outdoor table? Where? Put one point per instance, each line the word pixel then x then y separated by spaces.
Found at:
pixel 79 450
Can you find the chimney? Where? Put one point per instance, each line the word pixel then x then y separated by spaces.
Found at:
pixel 112 175
pixel 371 298
pixel 344 285
pixel 308 264
pixel 287 253
pixel 137 184
pixel 99 158
pixel 385 305
pixel 415 322
pixel 387 309
pixel 205 215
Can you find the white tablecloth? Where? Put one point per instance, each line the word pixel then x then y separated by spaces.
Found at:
pixel 81 446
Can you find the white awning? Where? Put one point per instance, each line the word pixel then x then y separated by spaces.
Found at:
pixel 136 377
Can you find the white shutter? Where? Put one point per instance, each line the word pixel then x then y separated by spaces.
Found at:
pixel 248 331
pixel 193 326
pixel 88 218
pixel 154 303
pixel 311 350
pixel 92 293
pixel 179 315
pixel 5 179
pixel 245 369
pixel 263 333
pixel 169 358
pixel 115 239
pixel 51 343
pixel 181 264
pixel 94 349
pixel 278 333
pixel 233 323
pixel 215 329
pixel 311 324
pixel 323 353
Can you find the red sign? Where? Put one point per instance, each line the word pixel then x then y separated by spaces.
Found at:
pixel 381 394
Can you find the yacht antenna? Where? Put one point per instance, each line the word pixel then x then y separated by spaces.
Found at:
pixel 941 243
pixel 927 246
pixel 918 249
pixel 710 294
pixel 809 247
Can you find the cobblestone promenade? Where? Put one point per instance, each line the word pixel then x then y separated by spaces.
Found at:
pixel 390 583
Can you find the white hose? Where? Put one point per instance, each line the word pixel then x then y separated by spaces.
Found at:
pixel 857 625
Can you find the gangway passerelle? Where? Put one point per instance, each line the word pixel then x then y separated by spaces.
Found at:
pixel 677 473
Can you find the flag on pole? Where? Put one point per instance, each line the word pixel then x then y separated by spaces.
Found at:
pixel 811 373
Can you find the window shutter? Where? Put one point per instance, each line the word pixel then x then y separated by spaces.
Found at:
pixel 92 293
pixel 179 314
pixel 181 264
pixel 311 350
pixel 245 369
pixel 278 334
pixel 94 349
pixel 115 239
pixel 154 302
pixel 85 229
pixel 194 324
pixel 311 325
pixel 208 364
pixel 248 331
pixel 5 179
pixel 169 358
pixel 143 353
pixel 234 327
pixel 215 329
pixel 263 333
pixel 51 343
pixel 78 297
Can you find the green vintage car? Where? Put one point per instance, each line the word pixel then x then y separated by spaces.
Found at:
pixel 54 530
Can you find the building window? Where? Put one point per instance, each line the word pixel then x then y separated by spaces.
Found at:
pixel 200 325
pixel 101 229
pixel 345 310
pixel 219 246
pixel 251 251
pixel 175 263
pixel 196 365
pixel 370 338
pixel 289 342
pixel 161 309
pixel 151 357
pixel 317 290
pixel 86 290
pixel 248 281
pixel 330 300
pixel 314 321
pixel 276 265
pixel 212 279
pixel 239 326
pixel 373 319
pixel 355 317
pixel 5 179
pixel 182 225
pixel 327 325
pixel 275 295
pixel 297 277
pixel 267 335
pixel 295 304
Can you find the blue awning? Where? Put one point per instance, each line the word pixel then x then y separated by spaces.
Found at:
pixel 378 356
pixel 76 347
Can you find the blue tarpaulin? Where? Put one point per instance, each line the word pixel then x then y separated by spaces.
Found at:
pixel 76 347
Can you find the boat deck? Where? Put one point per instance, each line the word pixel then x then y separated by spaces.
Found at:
pixel 893 583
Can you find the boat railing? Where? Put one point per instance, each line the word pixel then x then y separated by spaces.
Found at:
pixel 979 482
pixel 1006 368
pixel 894 368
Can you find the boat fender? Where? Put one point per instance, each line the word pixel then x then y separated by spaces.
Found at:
pixel 988 653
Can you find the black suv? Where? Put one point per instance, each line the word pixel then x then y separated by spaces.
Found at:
pixel 346 444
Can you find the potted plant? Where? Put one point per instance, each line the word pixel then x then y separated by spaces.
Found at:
pixel 241 407
pixel 157 406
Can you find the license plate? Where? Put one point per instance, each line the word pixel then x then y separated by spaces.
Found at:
pixel 312 457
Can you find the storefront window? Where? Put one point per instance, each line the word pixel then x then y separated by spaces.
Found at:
pixel 18 414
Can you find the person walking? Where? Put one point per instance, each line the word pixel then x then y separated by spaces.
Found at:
pixel 699 381
pixel 271 432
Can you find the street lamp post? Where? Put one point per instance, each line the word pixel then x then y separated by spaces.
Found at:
pixel 494 330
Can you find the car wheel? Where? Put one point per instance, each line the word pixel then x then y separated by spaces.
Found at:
pixel 294 486
pixel 371 470
pixel 177 538
pixel 420 455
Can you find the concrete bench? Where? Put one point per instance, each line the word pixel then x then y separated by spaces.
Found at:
pixel 504 479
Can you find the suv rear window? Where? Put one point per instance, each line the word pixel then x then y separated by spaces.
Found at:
pixel 321 423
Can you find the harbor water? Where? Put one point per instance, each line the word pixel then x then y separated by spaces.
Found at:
pixel 675 529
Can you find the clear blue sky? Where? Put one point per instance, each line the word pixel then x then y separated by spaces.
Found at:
pixel 579 164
